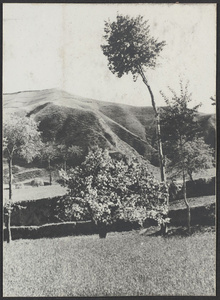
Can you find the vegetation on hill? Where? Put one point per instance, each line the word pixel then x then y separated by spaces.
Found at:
pixel 74 120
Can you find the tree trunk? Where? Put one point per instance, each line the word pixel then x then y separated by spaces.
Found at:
pixel 102 231
pixel 8 219
pixel 64 167
pixel 190 175
pixel 10 177
pixel 49 167
pixel 8 225
pixel 160 149
pixel 187 204
pixel 163 229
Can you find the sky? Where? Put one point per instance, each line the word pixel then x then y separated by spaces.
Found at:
pixel 58 46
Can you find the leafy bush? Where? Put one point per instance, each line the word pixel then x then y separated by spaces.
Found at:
pixel 107 190
pixel 37 182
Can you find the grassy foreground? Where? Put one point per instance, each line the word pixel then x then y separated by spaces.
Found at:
pixel 123 264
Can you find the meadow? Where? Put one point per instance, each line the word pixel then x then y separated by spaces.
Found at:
pixel 34 193
pixel 123 264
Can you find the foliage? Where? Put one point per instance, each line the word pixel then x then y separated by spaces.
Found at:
pixel 21 137
pixel 49 151
pixel 116 189
pixel 68 153
pixel 183 145
pixel 198 155
pixel 130 45
pixel 72 210
pixel 178 121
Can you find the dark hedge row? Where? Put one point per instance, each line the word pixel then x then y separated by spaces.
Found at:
pixel 202 215
pixel 37 212
pixel 48 210
pixel 66 229
pixel 195 188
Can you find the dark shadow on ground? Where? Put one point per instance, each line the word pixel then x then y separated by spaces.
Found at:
pixel 179 231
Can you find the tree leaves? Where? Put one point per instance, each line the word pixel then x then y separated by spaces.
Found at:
pixel 129 45
pixel 22 136
pixel 116 189
pixel 183 145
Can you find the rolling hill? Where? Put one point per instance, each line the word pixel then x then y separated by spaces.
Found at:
pixel 75 120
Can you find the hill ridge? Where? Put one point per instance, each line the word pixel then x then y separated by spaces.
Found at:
pixel 83 121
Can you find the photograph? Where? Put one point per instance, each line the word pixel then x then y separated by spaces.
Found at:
pixel 109 149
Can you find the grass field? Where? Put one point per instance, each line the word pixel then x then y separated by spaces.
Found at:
pixel 193 202
pixel 123 264
pixel 35 193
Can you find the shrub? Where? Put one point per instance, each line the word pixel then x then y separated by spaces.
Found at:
pixel 37 182
pixel 106 190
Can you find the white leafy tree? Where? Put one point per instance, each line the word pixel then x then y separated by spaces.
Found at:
pixel 21 138
pixel 113 189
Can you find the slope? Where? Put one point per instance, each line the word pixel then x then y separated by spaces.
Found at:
pixel 81 121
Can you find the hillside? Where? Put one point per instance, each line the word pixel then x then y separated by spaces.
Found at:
pixel 80 121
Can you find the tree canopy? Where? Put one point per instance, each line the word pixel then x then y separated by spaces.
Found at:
pixel 21 137
pixel 68 152
pixel 181 134
pixel 129 45
pixel 114 189
pixel 178 121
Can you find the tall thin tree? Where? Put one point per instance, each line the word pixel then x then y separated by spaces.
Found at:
pixel 131 48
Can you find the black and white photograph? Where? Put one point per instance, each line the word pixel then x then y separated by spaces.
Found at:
pixel 109 149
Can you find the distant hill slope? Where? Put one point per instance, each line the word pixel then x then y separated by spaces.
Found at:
pixel 80 121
